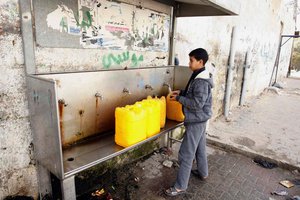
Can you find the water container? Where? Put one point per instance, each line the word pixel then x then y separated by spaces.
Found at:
pixel 163 109
pixel 130 125
pixel 174 110
pixel 152 109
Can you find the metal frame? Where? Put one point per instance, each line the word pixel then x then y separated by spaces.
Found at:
pixel 27 34
pixel 275 68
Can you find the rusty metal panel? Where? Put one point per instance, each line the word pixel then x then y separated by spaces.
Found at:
pixel 181 77
pixel 44 122
pixel 87 100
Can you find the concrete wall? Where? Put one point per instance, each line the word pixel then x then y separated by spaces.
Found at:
pixel 258 29
pixel 17 169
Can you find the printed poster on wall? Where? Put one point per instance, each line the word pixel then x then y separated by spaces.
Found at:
pixel 110 25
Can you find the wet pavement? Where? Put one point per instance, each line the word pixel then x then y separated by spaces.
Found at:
pixel 231 176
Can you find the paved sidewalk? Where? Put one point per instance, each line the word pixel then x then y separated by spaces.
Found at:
pixel 269 126
pixel 231 177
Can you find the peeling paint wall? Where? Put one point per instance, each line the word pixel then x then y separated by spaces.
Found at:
pixel 99 35
pixel 17 169
pixel 258 30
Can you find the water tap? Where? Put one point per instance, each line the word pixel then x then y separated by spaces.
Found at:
pixel 99 95
pixel 148 87
pixel 126 91
pixel 62 102
pixel 169 87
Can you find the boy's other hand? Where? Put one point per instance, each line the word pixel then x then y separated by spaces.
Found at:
pixel 173 97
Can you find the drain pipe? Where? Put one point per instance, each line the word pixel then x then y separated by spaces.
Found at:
pixel 230 73
pixel 245 79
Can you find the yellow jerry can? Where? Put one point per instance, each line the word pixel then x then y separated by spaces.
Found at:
pixel 174 110
pixel 163 109
pixel 152 109
pixel 130 125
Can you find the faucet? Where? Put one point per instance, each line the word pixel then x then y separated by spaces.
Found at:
pixel 126 91
pixel 62 102
pixel 168 85
pixel 148 87
pixel 99 95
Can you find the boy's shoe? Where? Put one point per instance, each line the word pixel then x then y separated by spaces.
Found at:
pixel 196 173
pixel 172 192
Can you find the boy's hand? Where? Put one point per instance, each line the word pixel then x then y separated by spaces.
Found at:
pixel 174 94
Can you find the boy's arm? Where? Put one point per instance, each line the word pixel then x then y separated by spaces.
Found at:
pixel 200 95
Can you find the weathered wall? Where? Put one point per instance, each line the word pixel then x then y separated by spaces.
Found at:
pixel 257 29
pixel 86 36
pixel 17 170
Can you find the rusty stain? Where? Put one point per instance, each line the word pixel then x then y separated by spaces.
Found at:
pixel 81 120
pixel 61 106
pixel 97 114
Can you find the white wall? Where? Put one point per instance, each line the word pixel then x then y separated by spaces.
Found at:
pixel 257 29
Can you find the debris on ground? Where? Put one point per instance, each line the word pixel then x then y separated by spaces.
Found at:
pixel 168 163
pixel 296 181
pixel 165 151
pixel 136 179
pixel 265 163
pixel 280 193
pixel 286 183
pixel 98 193
pixel 294 198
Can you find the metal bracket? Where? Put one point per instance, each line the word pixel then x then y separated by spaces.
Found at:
pixel 27 36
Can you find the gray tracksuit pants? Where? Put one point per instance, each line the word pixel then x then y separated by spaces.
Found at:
pixel 193 146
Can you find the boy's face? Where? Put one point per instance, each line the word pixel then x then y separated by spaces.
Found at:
pixel 195 64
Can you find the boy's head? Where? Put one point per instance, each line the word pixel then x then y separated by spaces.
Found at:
pixel 198 58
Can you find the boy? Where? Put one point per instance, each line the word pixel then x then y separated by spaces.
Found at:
pixel 196 100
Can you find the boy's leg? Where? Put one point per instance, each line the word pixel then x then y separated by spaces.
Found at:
pixel 187 153
pixel 201 156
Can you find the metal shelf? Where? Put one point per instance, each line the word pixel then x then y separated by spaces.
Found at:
pixel 96 150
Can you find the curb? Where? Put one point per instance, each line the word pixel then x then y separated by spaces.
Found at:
pixel 252 155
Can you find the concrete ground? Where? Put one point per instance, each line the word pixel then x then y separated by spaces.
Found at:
pixel 269 126
pixel 232 176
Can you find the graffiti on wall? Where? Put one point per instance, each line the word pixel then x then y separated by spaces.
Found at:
pixel 112 25
pixel 118 59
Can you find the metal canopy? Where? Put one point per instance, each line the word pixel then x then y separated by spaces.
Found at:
pixel 194 8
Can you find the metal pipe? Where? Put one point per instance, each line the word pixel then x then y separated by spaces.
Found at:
pixel 278 60
pixel 245 78
pixel 230 73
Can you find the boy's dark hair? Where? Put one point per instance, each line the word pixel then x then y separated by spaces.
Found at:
pixel 199 54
